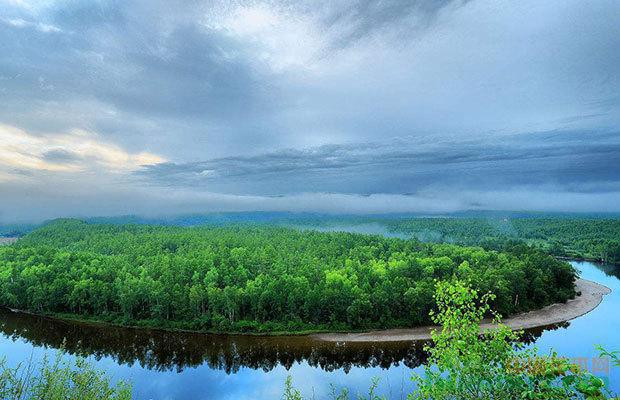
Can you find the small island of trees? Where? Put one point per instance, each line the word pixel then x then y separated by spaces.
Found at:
pixel 259 278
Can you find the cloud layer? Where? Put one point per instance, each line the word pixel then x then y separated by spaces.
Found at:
pixel 410 165
pixel 360 105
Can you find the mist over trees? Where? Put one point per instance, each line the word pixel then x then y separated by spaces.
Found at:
pixel 596 239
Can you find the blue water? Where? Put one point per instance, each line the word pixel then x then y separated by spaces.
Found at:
pixel 202 380
pixel 600 326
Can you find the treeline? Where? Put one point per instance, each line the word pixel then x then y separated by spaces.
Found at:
pixel 580 236
pixel 594 239
pixel 259 279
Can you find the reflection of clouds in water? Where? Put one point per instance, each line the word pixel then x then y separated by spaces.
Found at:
pixel 599 326
pixel 178 365
pixel 204 383
pixel 207 382
pixel 258 371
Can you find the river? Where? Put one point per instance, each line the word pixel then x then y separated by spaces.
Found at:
pixel 165 365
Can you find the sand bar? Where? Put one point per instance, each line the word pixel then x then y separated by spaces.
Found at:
pixel 591 296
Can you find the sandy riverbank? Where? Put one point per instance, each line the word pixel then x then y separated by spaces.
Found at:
pixel 591 296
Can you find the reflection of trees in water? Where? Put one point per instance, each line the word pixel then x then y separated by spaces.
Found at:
pixel 608 269
pixel 531 335
pixel 161 350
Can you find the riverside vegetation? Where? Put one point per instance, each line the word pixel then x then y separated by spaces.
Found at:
pixel 578 238
pixel 260 279
pixel 463 365
pixel 58 379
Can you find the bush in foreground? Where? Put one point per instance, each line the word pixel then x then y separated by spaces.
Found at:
pixel 58 380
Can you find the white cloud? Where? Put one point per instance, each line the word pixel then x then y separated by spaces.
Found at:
pixel 31 6
pixel 80 150
pixel 281 37
pixel 41 27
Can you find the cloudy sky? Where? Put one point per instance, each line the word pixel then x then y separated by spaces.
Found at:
pixel 164 107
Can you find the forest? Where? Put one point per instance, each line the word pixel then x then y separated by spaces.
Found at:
pixel 256 278
pixel 594 239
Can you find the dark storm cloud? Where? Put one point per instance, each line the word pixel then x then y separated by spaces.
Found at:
pixel 141 62
pixel 118 59
pixel 384 105
pixel 60 156
pixel 155 63
pixel 359 19
pixel 161 74
pixel 568 159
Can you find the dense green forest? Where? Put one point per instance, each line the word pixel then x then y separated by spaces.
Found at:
pixel 259 278
pixel 581 236
pixel 592 236
pixel 595 239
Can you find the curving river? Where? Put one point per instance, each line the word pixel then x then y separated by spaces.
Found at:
pixel 166 365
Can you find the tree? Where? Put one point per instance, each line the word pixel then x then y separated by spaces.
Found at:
pixel 464 364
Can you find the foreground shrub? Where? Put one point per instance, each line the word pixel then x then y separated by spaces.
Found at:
pixel 58 380
pixel 465 364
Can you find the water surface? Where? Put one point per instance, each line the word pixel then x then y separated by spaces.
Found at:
pixel 166 365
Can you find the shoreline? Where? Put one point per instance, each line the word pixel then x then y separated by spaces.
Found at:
pixel 591 295
pixel 588 259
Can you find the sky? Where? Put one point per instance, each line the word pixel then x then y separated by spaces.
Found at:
pixel 357 106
